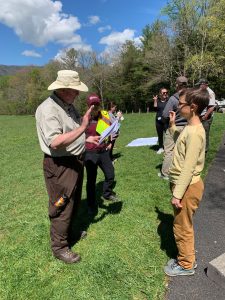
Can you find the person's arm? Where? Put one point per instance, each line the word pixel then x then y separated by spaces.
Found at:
pixel 169 107
pixel 208 113
pixel 155 99
pixel 65 139
pixel 211 106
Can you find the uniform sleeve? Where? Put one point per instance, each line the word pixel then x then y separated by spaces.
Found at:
pixel 169 106
pixel 50 126
pixel 194 145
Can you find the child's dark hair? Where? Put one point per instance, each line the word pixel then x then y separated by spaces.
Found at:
pixel 196 96
pixel 163 88
pixel 110 105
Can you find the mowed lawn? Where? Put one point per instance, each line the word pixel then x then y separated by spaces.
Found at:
pixel 128 242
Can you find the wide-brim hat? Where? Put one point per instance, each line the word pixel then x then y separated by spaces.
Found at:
pixel 68 79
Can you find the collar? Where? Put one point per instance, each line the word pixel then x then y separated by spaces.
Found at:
pixel 68 108
pixel 61 103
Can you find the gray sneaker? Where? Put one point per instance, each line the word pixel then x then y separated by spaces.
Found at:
pixel 163 176
pixel 177 270
pixel 174 260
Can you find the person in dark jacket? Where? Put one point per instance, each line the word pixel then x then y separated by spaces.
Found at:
pixel 159 105
pixel 98 156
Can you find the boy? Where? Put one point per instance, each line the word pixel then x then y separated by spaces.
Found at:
pixel 186 184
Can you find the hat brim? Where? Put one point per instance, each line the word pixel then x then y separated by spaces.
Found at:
pixel 201 82
pixel 56 86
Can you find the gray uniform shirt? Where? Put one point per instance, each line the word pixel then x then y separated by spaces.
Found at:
pixel 54 117
pixel 172 105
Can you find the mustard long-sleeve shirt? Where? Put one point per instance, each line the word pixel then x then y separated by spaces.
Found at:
pixel 188 158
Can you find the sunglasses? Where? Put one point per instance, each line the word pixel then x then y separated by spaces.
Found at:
pixel 165 93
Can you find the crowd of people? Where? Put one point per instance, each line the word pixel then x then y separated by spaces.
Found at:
pixel 70 142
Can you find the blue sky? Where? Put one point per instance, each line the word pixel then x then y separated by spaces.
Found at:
pixel 35 31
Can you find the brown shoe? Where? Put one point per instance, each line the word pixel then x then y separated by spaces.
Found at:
pixel 68 256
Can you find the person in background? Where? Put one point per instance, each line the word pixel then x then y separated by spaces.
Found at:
pixel 186 184
pixel 207 114
pixel 172 105
pixel 61 134
pixel 159 105
pixel 98 156
pixel 113 115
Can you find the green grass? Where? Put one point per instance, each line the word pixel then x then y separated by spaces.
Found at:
pixel 128 242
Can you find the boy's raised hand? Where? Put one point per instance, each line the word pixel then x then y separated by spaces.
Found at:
pixel 172 116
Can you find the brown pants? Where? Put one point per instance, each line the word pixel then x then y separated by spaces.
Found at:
pixel 183 224
pixel 63 178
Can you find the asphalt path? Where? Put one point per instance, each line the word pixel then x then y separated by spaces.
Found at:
pixel 209 223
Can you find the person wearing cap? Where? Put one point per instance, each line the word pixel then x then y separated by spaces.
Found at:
pixel 169 143
pixel 207 114
pixel 98 156
pixel 61 134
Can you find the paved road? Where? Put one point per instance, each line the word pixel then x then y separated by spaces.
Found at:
pixel 210 238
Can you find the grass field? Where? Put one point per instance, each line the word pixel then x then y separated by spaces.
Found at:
pixel 128 242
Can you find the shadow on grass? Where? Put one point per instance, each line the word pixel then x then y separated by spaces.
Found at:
pixel 117 155
pixel 154 147
pixel 83 219
pixel 165 231
pixel 159 166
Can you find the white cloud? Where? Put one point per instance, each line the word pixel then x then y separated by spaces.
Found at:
pixel 115 40
pixel 118 37
pixel 30 53
pixel 93 20
pixel 39 22
pixel 137 41
pixel 104 28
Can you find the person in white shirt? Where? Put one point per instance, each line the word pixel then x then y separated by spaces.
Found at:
pixel 207 114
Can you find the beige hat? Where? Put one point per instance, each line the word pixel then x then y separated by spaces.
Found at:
pixel 181 79
pixel 68 79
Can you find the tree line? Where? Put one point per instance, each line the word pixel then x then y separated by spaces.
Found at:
pixel 189 40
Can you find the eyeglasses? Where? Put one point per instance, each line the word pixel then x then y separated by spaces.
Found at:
pixel 164 93
pixel 183 103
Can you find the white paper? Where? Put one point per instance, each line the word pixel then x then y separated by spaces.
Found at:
pixel 143 142
pixel 112 129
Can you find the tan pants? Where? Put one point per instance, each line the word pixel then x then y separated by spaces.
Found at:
pixel 169 144
pixel 183 224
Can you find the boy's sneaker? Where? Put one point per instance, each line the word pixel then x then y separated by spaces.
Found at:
pixel 160 151
pixel 113 197
pixel 177 270
pixel 163 176
pixel 174 260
